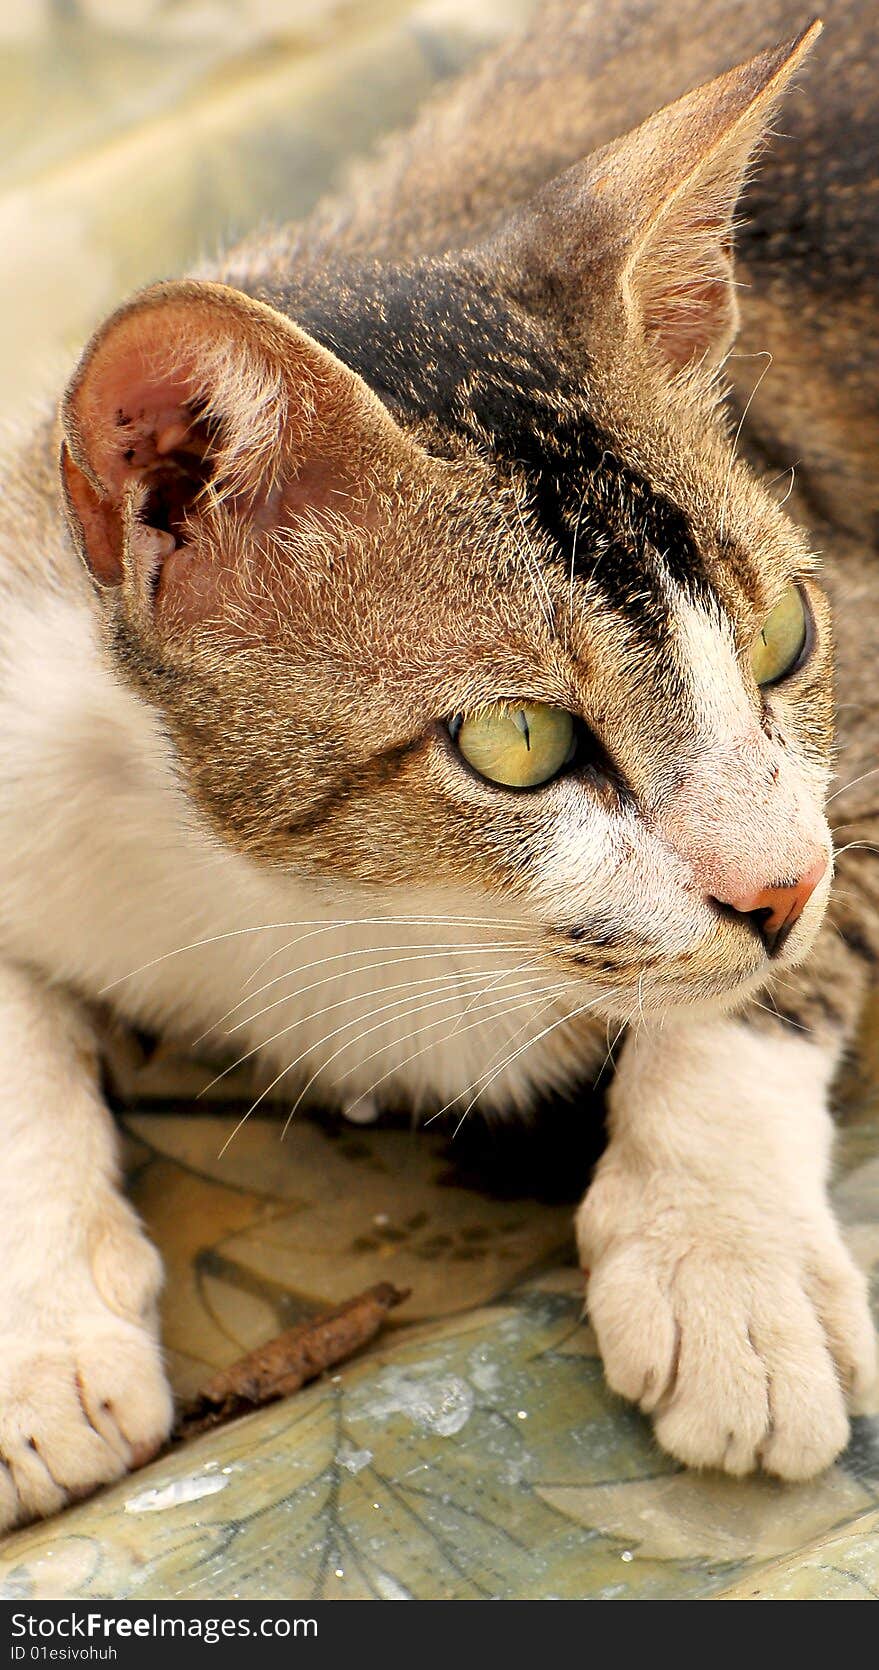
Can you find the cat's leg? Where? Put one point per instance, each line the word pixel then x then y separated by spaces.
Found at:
pixel 83 1395
pixel 723 1297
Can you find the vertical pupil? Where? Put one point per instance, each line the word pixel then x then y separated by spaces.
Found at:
pixel 521 724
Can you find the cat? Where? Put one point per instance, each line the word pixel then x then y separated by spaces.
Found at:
pixel 405 675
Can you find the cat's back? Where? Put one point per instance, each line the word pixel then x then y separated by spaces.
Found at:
pixel 809 242
pixel 583 74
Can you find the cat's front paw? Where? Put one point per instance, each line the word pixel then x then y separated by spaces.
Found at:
pixel 83 1393
pixel 743 1337
pixel 75 1413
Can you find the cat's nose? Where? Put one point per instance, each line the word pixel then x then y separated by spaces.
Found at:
pixel 774 910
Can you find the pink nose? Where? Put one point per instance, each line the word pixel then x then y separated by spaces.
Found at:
pixel 774 910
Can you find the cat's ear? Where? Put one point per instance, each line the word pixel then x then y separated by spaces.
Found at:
pixel 194 401
pixel 648 220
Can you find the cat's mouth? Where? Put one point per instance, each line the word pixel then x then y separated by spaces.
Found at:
pixel 739 955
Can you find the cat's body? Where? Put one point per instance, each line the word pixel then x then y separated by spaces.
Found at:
pixel 252 828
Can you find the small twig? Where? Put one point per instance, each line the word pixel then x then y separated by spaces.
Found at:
pixel 288 1361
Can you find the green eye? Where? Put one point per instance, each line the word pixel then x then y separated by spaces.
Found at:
pixel 778 648
pixel 517 744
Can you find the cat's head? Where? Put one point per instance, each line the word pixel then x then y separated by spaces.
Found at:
pixel 447 573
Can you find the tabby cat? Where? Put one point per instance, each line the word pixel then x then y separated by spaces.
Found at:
pixel 409 677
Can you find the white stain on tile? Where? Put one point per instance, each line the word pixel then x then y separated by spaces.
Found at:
pixel 354 1461
pixel 389 1588
pixel 484 1374
pixel 189 1489
pixel 440 1403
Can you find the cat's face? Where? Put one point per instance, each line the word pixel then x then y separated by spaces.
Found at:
pixel 456 589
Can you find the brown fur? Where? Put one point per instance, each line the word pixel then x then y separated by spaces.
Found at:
pixel 807 264
pixel 305 657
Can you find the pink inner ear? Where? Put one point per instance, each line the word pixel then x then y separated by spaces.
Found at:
pixel 129 418
pixel 141 428
pixel 150 432
pixel 684 279
pixel 691 320
pixel 204 389
pixel 100 525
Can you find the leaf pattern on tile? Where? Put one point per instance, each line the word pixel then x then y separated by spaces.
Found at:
pixel 471 1457
pixel 302 1224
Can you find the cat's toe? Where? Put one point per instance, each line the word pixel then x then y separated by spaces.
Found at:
pixel 76 1414
pixel 757 1385
pixel 839 1292
pixel 674 1338
pixel 820 1351
pixel 635 1326
pixel 716 1413
pixel 126 1395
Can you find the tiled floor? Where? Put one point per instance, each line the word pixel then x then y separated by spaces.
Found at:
pixel 473 1451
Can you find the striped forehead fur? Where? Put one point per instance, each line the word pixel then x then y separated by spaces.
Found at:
pixel 468 368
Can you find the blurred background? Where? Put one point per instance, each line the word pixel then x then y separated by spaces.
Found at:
pixel 138 135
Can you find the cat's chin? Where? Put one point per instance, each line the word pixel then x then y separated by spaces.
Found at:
pixel 718 992
pixel 731 993
pixel 727 990
pixel 701 1006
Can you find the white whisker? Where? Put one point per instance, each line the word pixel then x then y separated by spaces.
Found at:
pixel 536 575
pixel 524 1000
pixel 777 1016
pixel 311 1049
pixel 320 925
pixel 851 784
pixel 422 954
pixel 764 354
pixel 573 567
pixel 509 1061
pixel 356 996
pixel 513 926
pixel 351 1042
pixel 303 1020
pixel 612 1046
pixel 534 962
pixel 568 1016
pixel 549 995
